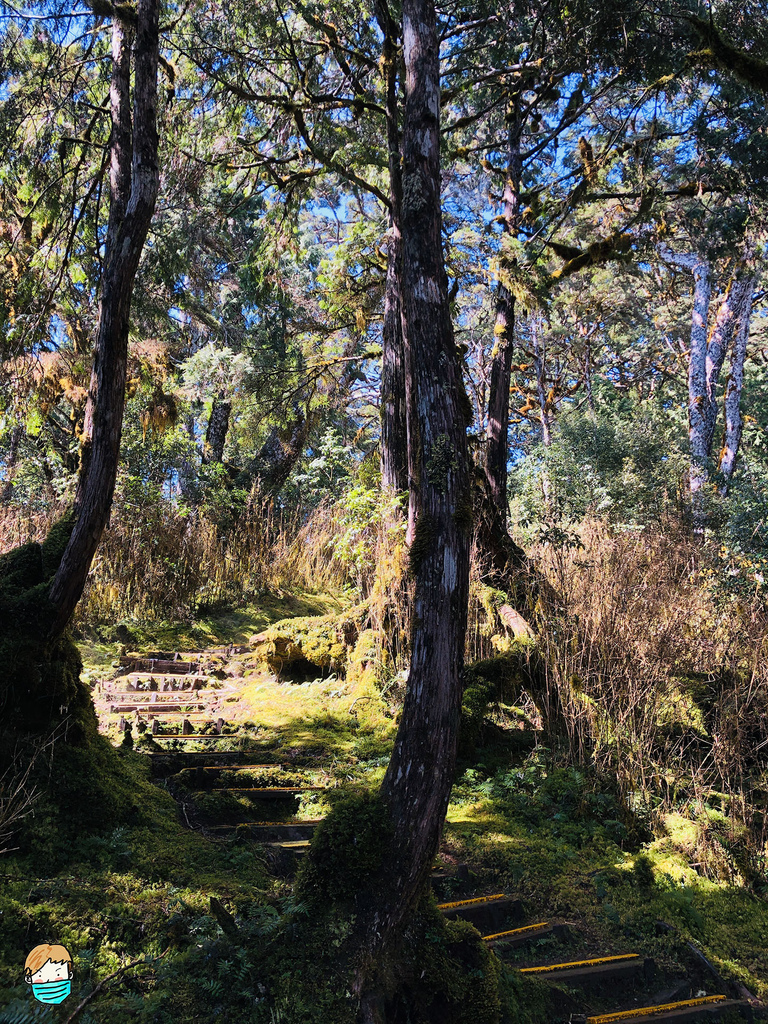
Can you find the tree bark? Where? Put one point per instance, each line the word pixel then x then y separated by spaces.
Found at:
pixel 394 438
pixel 497 429
pixel 134 179
pixel 280 453
pixel 737 296
pixel 502 563
pixel 697 391
pixel 10 464
pixel 216 432
pixel 732 399
pixel 705 361
pixel 540 369
pixel 417 784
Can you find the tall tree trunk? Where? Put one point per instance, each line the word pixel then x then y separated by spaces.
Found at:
pixel 732 399
pixel 134 178
pixel 216 432
pixel 497 429
pixel 417 784
pixel 707 354
pixel 394 438
pixel 697 391
pixel 545 415
pixel 738 296
pixel 502 562
pixel 705 361
pixel 540 369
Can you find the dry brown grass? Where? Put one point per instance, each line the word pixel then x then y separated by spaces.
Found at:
pixel 661 676
pixel 155 562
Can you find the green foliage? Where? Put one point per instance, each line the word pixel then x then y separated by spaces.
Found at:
pixel 576 804
pixel 484 682
pixel 624 462
pixel 328 472
pixel 359 516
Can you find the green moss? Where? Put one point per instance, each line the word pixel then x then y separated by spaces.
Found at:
pixel 423 539
pixel 40 689
pixel 440 462
pixel 463 515
pixel 443 972
pixel 681 707
pixel 323 641
pixel 348 848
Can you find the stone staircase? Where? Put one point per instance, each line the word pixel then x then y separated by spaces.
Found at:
pixel 154 690
pixel 615 977
pixel 172 696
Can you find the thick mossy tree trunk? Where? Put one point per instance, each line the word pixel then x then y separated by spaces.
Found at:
pixel 418 781
pixel 40 585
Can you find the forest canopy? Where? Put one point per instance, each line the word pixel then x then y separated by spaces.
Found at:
pixel 441 329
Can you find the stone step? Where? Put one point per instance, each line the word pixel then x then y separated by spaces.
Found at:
pixel 593 971
pixel 274 831
pixel 703 1008
pixel 273 792
pixel 208 778
pixel 275 824
pixel 165 763
pixel 159 666
pixel 193 757
pixel 489 914
pixel 160 696
pixel 157 709
pixel 204 736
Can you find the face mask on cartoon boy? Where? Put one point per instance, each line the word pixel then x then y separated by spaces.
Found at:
pixel 48 970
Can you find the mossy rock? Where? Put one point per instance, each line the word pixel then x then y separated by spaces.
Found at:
pixel 485 682
pixel 322 642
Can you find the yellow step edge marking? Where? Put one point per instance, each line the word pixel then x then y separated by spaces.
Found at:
pixel 581 963
pixel 295 845
pixel 471 903
pixel 516 931
pixel 265 789
pixel 647 1011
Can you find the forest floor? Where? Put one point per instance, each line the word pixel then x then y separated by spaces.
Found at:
pixel 553 837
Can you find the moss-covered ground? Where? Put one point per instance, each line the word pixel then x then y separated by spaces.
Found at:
pixel 132 884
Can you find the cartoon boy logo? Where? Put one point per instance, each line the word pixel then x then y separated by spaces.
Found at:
pixel 48 969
